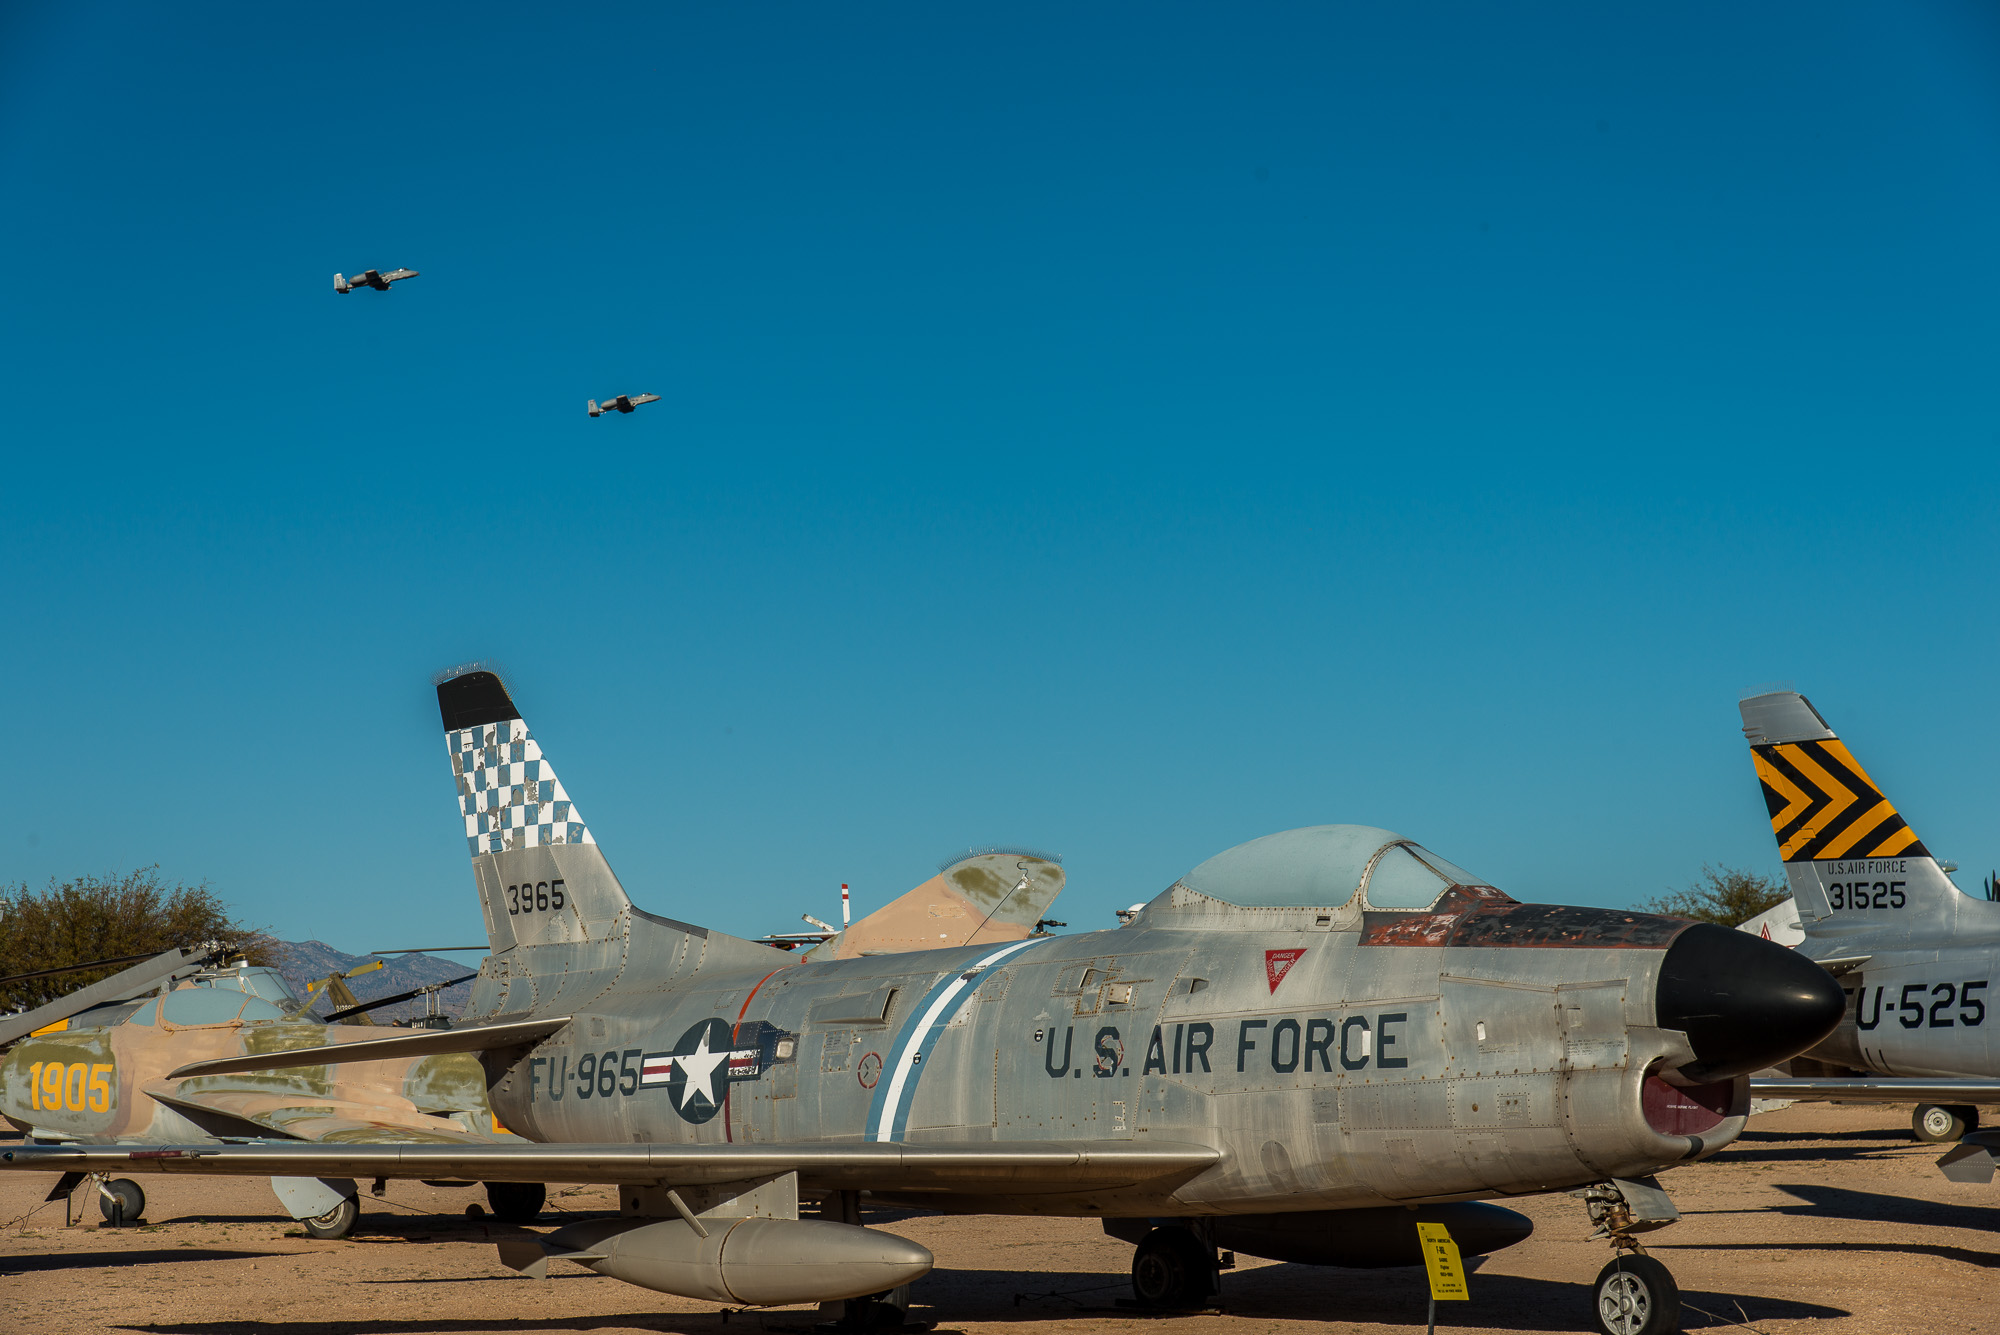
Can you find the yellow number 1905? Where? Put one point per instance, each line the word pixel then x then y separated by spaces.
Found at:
pixel 76 1087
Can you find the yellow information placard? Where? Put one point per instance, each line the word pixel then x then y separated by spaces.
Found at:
pixel 1441 1263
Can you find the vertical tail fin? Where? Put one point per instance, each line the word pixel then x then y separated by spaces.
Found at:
pixel 541 876
pixel 1853 862
pixel 543 882
pixel 987 895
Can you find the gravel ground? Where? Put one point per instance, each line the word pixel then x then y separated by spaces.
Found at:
pixel 1821 1218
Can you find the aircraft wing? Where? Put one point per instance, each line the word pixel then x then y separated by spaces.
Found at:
pixel 638 399
pixel 1053 1167
pixel 398 275
pixel 240 1112
pixel 1878 1089
pixel 424 1043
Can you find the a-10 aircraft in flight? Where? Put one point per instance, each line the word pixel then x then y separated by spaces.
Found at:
pixel 380 281
pixel 620 403
pixel 371 278
pixel 1918 958
pixel 1299 1050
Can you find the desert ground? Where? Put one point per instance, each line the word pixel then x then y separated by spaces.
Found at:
pixel 1828 1219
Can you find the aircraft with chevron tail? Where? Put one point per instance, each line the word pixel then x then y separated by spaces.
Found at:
pixel 1301 1049
pixel 1918 958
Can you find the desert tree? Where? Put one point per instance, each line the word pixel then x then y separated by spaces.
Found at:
pixel 1724 895
pixel 104 917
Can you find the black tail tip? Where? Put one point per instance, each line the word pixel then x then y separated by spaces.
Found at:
pixel 473 696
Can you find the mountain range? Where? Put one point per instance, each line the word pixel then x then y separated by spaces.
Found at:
pixel 303 963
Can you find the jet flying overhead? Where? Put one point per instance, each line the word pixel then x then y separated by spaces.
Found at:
pixel 372 278
pixel 623 403
pixel 1918 959
pixel 1300 1049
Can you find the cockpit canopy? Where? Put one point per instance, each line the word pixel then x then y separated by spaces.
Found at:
pixel 1326 866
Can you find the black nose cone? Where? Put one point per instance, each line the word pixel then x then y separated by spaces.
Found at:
pixel 1743 1002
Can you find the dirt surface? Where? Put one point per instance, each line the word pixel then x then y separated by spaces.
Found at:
pixel 1820 1218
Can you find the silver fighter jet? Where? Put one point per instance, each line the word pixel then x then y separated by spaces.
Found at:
pixel 372 278
pixel 623 403
pixel 1298 1050
pixel 1918 958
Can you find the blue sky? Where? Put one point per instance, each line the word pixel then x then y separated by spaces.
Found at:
pixel 1121 430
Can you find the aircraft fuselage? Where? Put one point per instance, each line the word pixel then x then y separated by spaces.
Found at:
pixel 1333 1068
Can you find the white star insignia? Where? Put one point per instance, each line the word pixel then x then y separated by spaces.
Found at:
pixel 700 1065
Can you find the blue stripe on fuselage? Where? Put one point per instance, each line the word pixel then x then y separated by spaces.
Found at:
pixel 895 1092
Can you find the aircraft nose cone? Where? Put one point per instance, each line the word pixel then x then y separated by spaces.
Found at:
pixel 1743 1002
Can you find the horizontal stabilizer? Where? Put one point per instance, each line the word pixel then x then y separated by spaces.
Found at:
pixel 1041 1167
pixel 429 1043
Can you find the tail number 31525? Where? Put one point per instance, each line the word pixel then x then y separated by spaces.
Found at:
pixel 534 897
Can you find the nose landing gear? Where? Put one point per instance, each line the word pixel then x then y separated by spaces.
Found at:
pixel 1634 1294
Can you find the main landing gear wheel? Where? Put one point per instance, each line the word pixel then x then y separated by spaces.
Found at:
pixel 337 1222
pixel 122 1202
pixel 1939 1123
pixel 1171 1268
pixel 517 1202
pixel 1636 1296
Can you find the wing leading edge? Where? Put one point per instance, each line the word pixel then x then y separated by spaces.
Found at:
pixel 996 1167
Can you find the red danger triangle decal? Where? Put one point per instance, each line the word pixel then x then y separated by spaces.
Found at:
pixel 1278 963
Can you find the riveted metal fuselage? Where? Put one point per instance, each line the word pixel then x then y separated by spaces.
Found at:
pixel 1334 1063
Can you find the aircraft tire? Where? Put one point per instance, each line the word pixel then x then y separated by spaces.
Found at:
pixel 517 1202
pixel 1942 1123
pixel 1171 1268
pixel 335 1223
pixel 1635 1295
pixel 126 1203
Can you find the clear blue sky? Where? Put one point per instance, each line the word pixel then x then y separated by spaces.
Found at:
pixel 1121 429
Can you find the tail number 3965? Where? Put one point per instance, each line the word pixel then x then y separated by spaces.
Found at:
pixel 534 897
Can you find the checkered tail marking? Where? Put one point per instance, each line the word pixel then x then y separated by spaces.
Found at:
pixel 509 795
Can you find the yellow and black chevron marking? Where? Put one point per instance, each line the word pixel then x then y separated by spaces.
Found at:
pixel 1824 806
